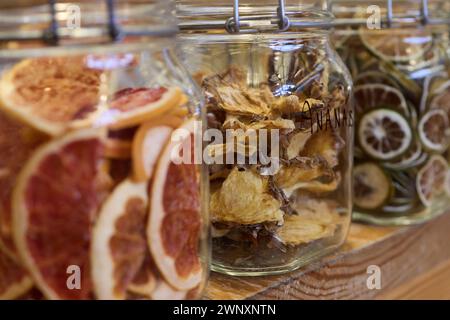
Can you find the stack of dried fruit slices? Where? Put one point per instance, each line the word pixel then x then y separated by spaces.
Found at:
pixel 403 120
pixel 87 187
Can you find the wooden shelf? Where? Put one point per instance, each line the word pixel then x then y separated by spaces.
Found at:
pixel 413 260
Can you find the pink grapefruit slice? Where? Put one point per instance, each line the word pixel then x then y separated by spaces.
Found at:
pixel 174 225
pixel 55 201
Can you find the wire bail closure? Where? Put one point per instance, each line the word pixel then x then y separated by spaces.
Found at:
pixel 51 36
pixel 236 23
pixel 423 18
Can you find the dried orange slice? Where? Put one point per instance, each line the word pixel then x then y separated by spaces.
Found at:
pixel 51 93
pixel 17 142
pixel 118 243
pixel 132 106
pixel 14 281
pixel 57 196
pixel 174 225
pixel 148 143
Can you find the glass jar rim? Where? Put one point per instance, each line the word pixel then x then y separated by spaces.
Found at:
pixel 265 17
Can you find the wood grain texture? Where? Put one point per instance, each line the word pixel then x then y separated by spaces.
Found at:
pixel 401 253
pixel 434 284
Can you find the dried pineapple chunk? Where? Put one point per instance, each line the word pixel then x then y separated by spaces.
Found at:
pixel 327 144
pixel 314 221
pixel 244 199
pixel 302 170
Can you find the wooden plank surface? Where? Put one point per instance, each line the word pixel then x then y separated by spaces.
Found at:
pixel 434 285
pixel 402 254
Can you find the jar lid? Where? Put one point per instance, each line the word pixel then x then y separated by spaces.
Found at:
pixel 250 16
pixel 38 23
pixel 389 13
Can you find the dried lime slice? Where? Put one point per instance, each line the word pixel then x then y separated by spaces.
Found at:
pixel 374 77
pixel 372 186
pixel 440 98
pixel 433 130
pixel 431 179
pixel 409 159
pixel 447 183
pixel 433 85
pixel 384 134
pixel 370 96
pixel 398 45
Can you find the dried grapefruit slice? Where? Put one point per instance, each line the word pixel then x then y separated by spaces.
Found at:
pixel 117 148
pixel 57 196
pixel 149 283
pixel 144 282
pixel 174 225
pixel 118 242
pixel 14 282
pixel 51 94
pixel 431 179
pixel 132 106
pixel 17 142
pixel 148 142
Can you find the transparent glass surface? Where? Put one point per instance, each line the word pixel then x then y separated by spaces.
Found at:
pixel 401 88
pixel 284 201
pixel 98 200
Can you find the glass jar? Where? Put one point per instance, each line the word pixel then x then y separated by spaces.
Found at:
pixel 402 90
pixel 100 196
pixel 279 129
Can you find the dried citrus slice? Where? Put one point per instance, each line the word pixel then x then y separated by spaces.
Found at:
pixel 174 225
pixel 414 157
pixel 118 242
pixel 384 134
pixel 17 142
pixel 431 179
pixel 441 98
pixel 57 196
pixel 374 77
pixel 447 182
pixel 117 148
pixel 51 93
pixel 433 130
pixel 149 284
pixel 133 106
pixel 397 44
pixel 148 142
pixel 144 281
pixel 370 96
pixel 14 282
pixel 372 186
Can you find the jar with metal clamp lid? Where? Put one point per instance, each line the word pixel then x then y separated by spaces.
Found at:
pixel 280 125
pixel 396 53
pixel 100 194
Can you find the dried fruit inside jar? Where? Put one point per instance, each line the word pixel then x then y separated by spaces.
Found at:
pixel 402 121
pixel 279 168
pixel 88 208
